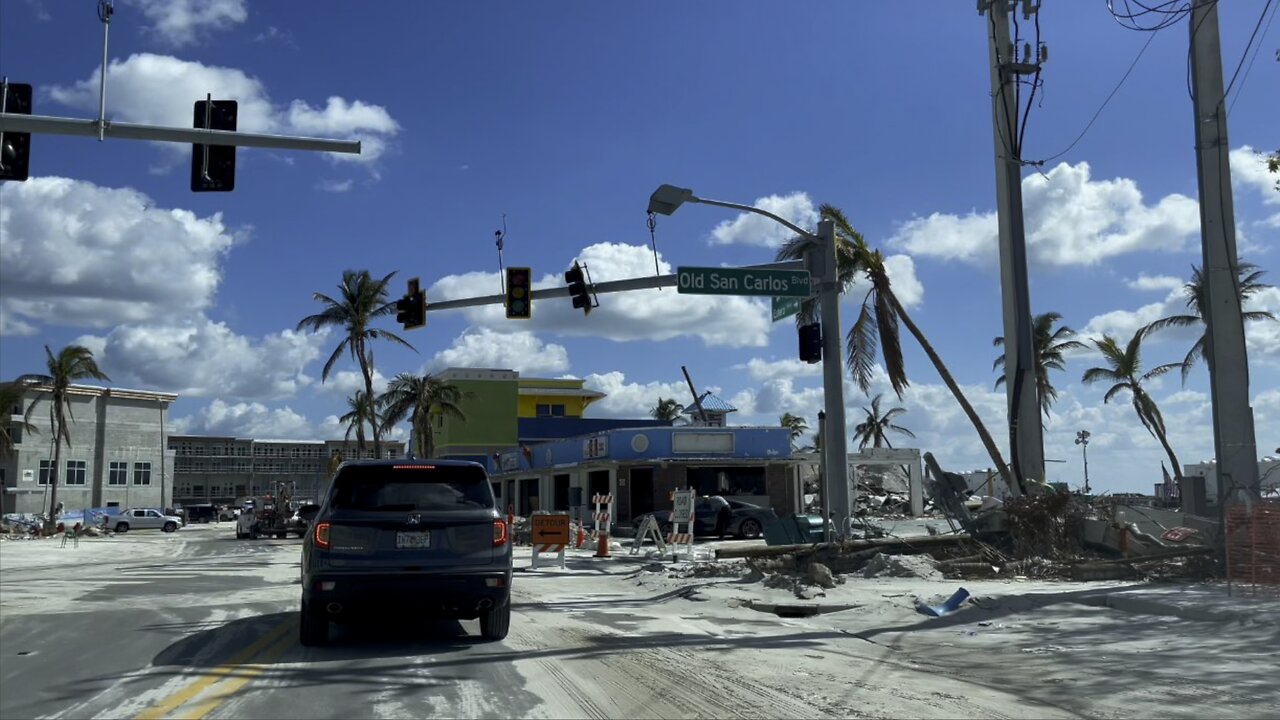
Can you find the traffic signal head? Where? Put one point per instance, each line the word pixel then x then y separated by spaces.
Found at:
pixel 519 293
pixel 213 167
pixel 15 147
pixel 578 288
pixel 811 343
pixel 411 310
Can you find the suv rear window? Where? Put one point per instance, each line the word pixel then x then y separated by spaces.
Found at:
pixel 402 488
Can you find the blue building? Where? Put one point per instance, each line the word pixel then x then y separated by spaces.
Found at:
pixel 642 464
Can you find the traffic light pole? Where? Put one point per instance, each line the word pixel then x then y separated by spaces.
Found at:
pixel 43 124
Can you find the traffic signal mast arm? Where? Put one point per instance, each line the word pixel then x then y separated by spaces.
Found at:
pixel 12 122
pixel 611 286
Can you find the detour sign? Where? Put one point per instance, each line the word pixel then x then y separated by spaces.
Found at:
pixel 551 529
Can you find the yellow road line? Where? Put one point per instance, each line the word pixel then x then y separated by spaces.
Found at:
pixel 215 675
pixel 227 689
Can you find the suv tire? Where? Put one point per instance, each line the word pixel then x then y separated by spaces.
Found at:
pixel 313 630
pixel 170 527
pixel 495 623
pixel 122 527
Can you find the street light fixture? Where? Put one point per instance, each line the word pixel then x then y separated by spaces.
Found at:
pixel 1082 439
pixel 820 258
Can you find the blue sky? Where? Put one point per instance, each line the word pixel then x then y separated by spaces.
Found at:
pixel 564 117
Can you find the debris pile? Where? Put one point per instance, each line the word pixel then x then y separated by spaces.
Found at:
pixel 916 566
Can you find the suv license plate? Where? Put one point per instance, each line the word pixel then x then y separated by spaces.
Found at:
pixel 413 540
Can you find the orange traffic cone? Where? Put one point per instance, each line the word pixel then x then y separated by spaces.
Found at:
pixel 582 537
pixel 602 545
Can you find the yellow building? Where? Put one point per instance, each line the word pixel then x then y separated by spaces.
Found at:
pixel 546 398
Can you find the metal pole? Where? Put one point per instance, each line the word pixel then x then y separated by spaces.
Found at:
pixel 824 482
pixel 105 9
pixel 834 443
pixel 1026 441
pixel 49 125
pixel 1233 432
pixel 1085 449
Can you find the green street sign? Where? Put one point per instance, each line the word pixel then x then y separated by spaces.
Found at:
pixel 742 281
pixel 784 307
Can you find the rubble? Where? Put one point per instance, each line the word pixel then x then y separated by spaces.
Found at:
pixel 916 566
pixel 821 575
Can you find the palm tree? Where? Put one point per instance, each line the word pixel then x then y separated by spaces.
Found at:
pixel 73 362
pixel 874 431
pixel 11 394
pixel 795 424
pixel 1124 370
pixel 418 398
pixel 666 409
pixel 1049 345
pixel 360 412
pixel 877 323
pixel 361 300
pixel 1249 283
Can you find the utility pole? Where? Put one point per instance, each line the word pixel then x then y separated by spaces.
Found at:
pixel 1082 439
pixel 1026 438
pixel 1233 434
pixel 825 256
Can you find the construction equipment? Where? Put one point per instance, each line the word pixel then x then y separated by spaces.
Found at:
pixel 266 515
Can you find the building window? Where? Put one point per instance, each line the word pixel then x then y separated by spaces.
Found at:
pixel 142 473
pixel 76 472
pixel 118 473
pixel 548 410
pixel 46 469
pixel 15 434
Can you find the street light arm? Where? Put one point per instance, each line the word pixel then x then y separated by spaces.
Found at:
pixel 752 209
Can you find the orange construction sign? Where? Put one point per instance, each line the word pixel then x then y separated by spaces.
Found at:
pixel 550 529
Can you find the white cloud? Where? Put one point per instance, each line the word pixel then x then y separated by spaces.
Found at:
pixel 335 186
pixel 345 383
pixel 160 89
pixel 634 315
pixel 1249 169
pixel 78 254
pixel 246 420
pixel 752 229
pixel 1155 282
pixel 1071 219
pixel 902 276
pixel 761 369
pixel 485 348
pixel 206 359
pixel 631 400
pixel 181 22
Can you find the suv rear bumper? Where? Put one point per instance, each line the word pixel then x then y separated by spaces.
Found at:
pixel 446 594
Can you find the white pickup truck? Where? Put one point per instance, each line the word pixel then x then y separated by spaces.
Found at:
pixel 144 519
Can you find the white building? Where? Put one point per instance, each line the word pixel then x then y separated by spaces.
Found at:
pixel 117 457
pixel 1268 472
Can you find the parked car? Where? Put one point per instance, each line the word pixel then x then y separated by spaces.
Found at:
pixel 745 520
pixel 228 514
pixel 201 513
pixel 423 537
pixel 302 518
pixel 144 519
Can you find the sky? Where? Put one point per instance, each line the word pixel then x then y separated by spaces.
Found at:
pixel 557 120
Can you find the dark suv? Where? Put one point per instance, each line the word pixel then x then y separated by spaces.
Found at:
pixel 418 536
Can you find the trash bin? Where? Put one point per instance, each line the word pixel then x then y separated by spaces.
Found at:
pixel 794 530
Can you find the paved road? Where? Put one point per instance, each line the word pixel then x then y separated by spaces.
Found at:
pixel 198 624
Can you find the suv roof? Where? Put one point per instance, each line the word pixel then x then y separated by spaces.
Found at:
pixel 410 461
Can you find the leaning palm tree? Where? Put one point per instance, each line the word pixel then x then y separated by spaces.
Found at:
pixel 419 398
pixel 11 394
pixel 1049 345
pixel 1248 283
pixel 360 301
pixel 666 409
pixel 361 411
pixel 1124 371
pixel 877 323
pixel 874 431
pixel 795 425
pixel 73 362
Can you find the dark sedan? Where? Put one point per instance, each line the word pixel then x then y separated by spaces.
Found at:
pixel 745 520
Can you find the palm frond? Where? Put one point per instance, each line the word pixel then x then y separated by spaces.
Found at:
pixel 861 346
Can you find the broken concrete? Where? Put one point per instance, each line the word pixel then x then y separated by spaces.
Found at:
pixel 913 566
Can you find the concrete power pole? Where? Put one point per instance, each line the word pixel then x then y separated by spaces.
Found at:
pixel 1233 434
pixel 1026 439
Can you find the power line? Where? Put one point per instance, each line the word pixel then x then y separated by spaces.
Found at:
pixel 1252 36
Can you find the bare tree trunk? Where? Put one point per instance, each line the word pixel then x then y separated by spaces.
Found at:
pixel 950 382
pixel 59 430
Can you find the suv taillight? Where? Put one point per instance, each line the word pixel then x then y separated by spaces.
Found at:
pixel 322 535
pixel 499 533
